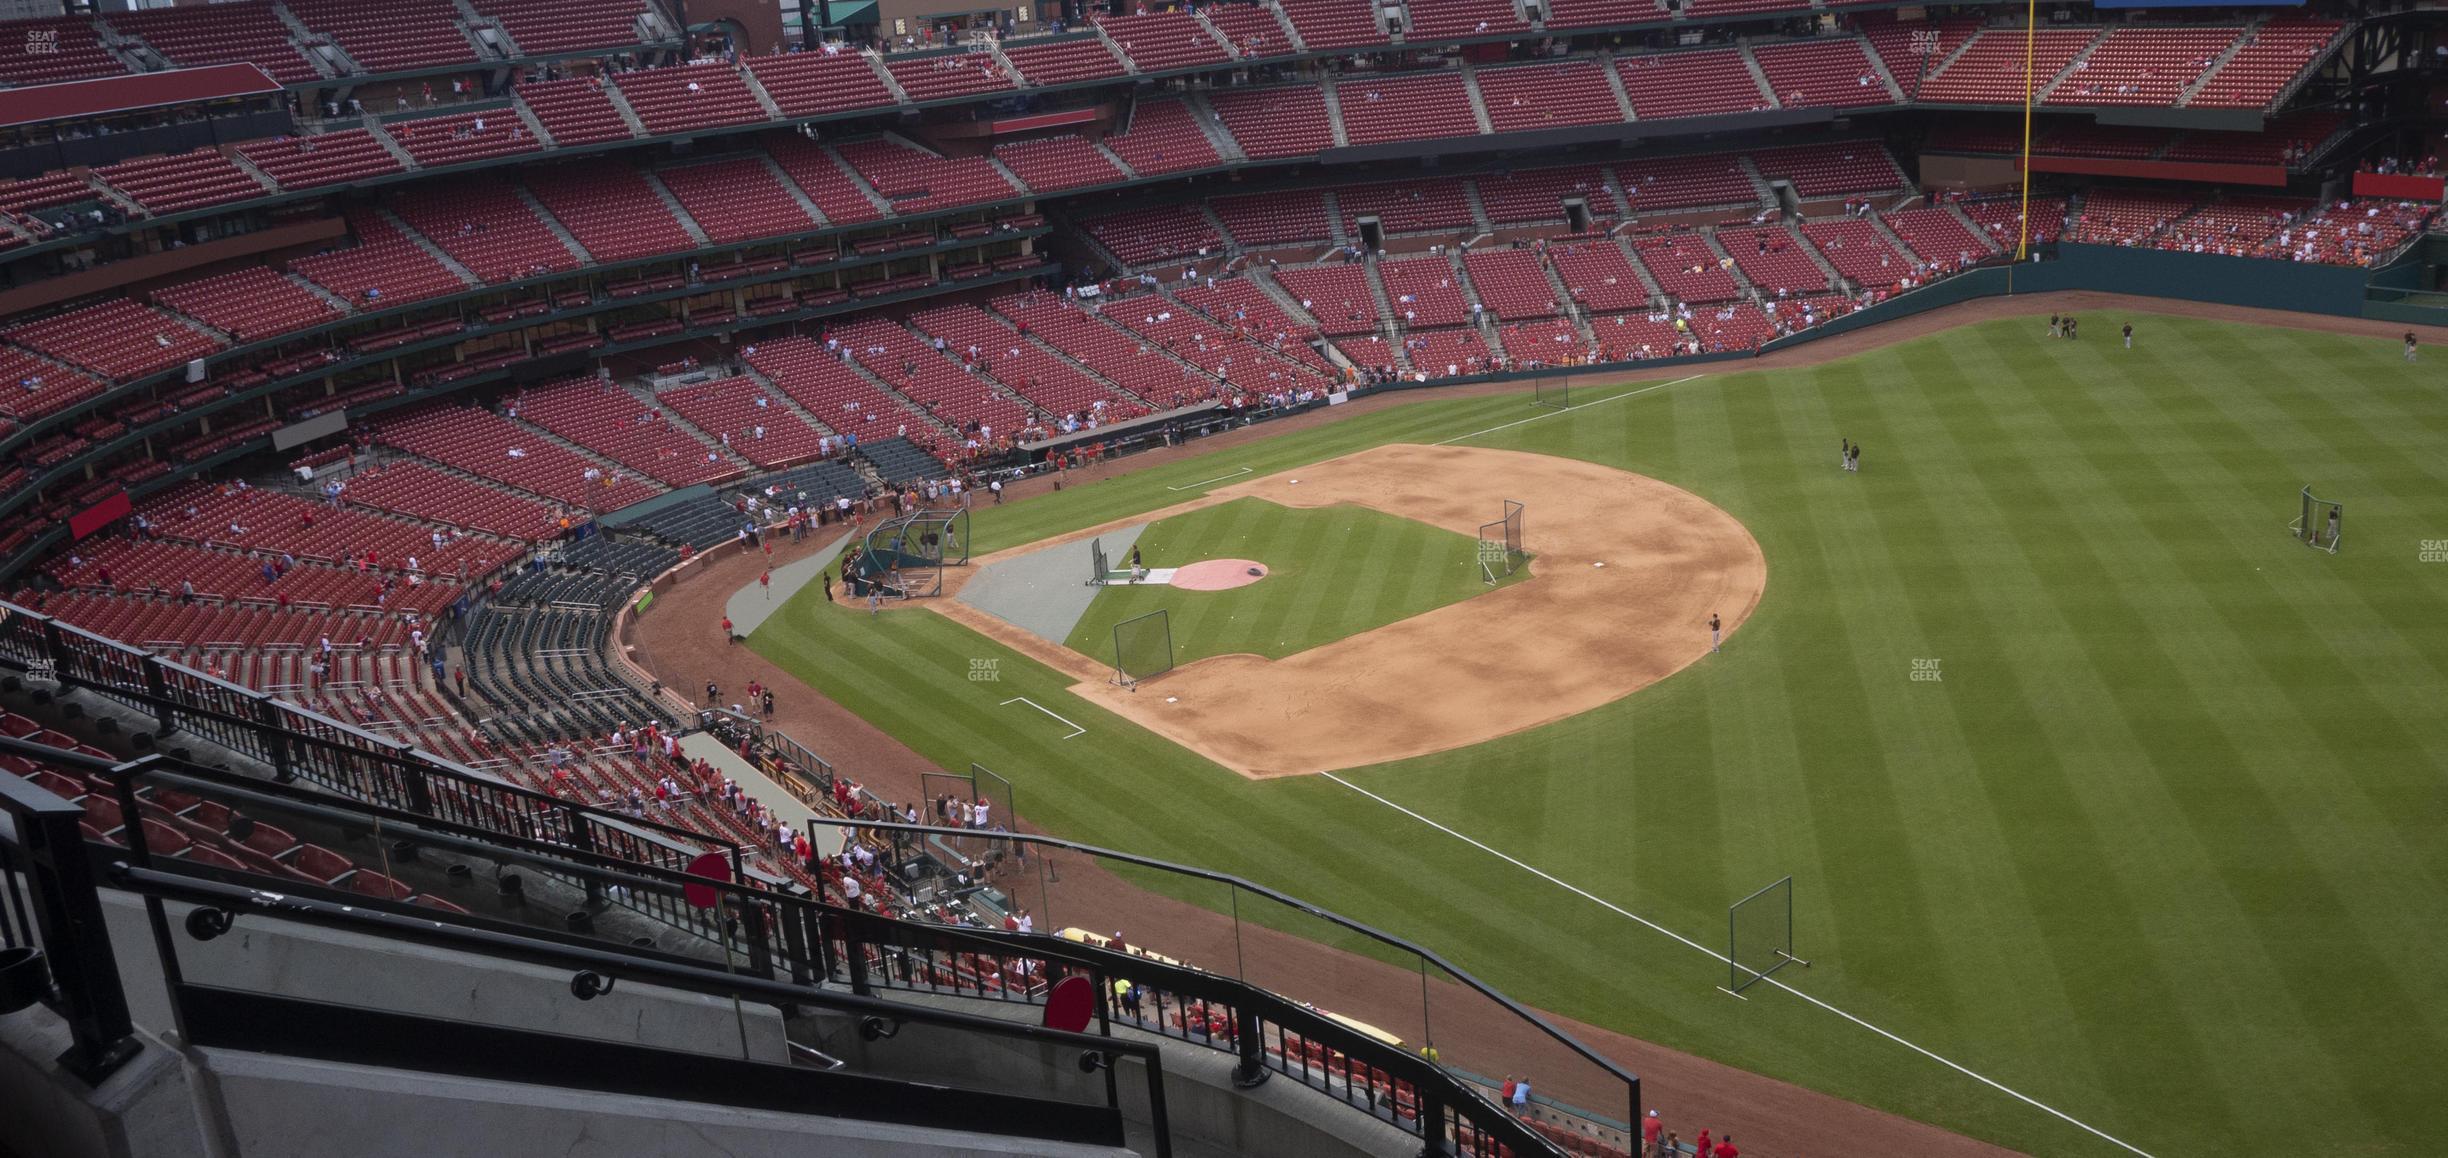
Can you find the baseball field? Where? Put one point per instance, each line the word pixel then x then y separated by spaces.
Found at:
pixel 2115 815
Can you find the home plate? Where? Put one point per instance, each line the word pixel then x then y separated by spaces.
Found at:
pixel 1597 564
pixel 1172 699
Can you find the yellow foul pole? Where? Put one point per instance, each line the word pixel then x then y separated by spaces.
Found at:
pixel 2031 26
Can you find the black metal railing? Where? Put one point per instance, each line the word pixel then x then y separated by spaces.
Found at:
pixel 54 947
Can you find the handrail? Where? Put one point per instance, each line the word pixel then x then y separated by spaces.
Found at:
pixel 54 920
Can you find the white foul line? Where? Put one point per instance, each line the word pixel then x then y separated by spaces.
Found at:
pixel 1627 914
pixel 1570 409
pixel 1076 730
pixel 1205 481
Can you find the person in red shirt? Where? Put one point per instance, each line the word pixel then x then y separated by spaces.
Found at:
pixel 1703 1146
pixel 726 626
pixel 1725 1148
pixel 1651 1129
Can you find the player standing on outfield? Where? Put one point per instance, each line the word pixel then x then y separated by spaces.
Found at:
pixel 1716 633
pixel 1844 453
pixel 2333 527
pixel 2054 323
pixel 2409 345
pixel 2129 335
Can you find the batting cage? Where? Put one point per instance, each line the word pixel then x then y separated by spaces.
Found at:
pixel 1143 648
pixel 1098 567
pixel 1759 936
pixel 1500 544
pixel 2320 523
pixel 1552 391
pixel 905 556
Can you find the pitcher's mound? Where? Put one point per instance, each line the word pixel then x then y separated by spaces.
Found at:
pixel 1218 574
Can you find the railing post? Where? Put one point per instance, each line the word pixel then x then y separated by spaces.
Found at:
pixel 277 742
pixel 1252 1071
pixel 1432 1124
pixel 68 910
pixel 855 953
pixel 157 686
pixel 582 834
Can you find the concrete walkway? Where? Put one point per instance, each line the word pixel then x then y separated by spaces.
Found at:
pixel 1044 593
pixel 750 606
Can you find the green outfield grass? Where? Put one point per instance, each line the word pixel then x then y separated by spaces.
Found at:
pixel 1331 572
pixel 2162 848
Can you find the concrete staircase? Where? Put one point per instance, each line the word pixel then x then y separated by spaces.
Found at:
pixel 1975 227
pixel 671 202
pixel 1759 76
pixel 1478 208
pixel 527 116
pixel 781 399
pixel 1113 158
pixel 883 204
pixel 1334 219
pixel 1878 225
pixel 390 144
pixel 1759 182
pixel 331 299
pixel 2080 58
pixel 1478 102
pixel 807 204
pixel 569 241
pixel 1204 115
pixel 1334 116
pixel 900 95
pixel 1282 298
pixel 238 160
pixel 628 116
pixel 1018 185
pixel 764 99
pixel 425 243
pixel 1614 83
pixel 916 415
pixel 1648 280
pixel 1878 67
pixel 1726 262
pixel 1793 229
pixel 1377 293
pixel 1230 49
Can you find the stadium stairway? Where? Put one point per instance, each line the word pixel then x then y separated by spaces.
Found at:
pixel 1793 229
pixel 756 89
pixel 2048 90
pixel 1204 117
pixel 1887 233
pixel 1478 101
pixel 527 117
pixel 782 177
pixel 569 241
pixel 465 275
pixel 628 115
pixel 671 204
pixel 1334 116
pixel 1733 268
pixel 883 205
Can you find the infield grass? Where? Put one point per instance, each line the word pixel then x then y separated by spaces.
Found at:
pixel 1331 572
pixel 2162 847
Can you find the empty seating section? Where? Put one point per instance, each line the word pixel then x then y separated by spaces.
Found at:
pixel 2142 66
pixel 1822 74
pixel 486 226
pixel 610 210
pixel 932 380
pixel 1448 351
pixel 323 159
pixel 2128 216
pixel 1913 51
pixel 1336 295
pixel 1683 267
pixel 1990 70
pixel 806 84
pixel 1713 9
pixel 249 303
pixel 2348 232
pixel 1630 336
pixel 1708 180
pixel 1997 218
pixel 1710 82
pixel 1424 206
pixel 1453 19
pixel 1512 283
pixel 1538 195
pixel 1053 385
pixel 31 387
pixel 947 75
pixel 901 461
pixel 744 414
pixel 1158 233
pixel 1592 13
pixel 1164 40
pixel 459 138
pixel 1048 164
pixel 117 339
pixel 1547 96
pixel 1331 24
pixel 706 95
pixel 2271 57
pixel 186 181
pixel 276 522
pixel 487 445
pixel 1215 348
pixel 1276 122
pixel 1400 108
pixel 576 111
pixel 50 50
pixel 1251 28
pixel 384 267
pixel 389 37
pixel 1242 304
pixel 1832 170
pixel 824 383
pixel 408 487
pixel 1063 61
pixel 1599 276
pixel 1774 261
pixel 2237 226
pixel 1284 218
pixel 219 34
pixel 1127 361
pixel 1855 248
pixel 736 200
pixel 2283 140
pixel 1937 235
pixel 142 566
pixel 1548 340
pixel 2097 141
pixel 814 170
pixel 162 623
pixel 1163 137
pixel 915 180
pixel 616 424
pixel 544 27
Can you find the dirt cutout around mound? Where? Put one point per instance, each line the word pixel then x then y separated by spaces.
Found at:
pixel 1627 571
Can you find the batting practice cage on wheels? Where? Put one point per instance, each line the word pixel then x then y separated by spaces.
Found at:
pixel 1759 936
pixel 1143 648
pixel 1500 544
pixel 1553 391
pixel 2320 523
